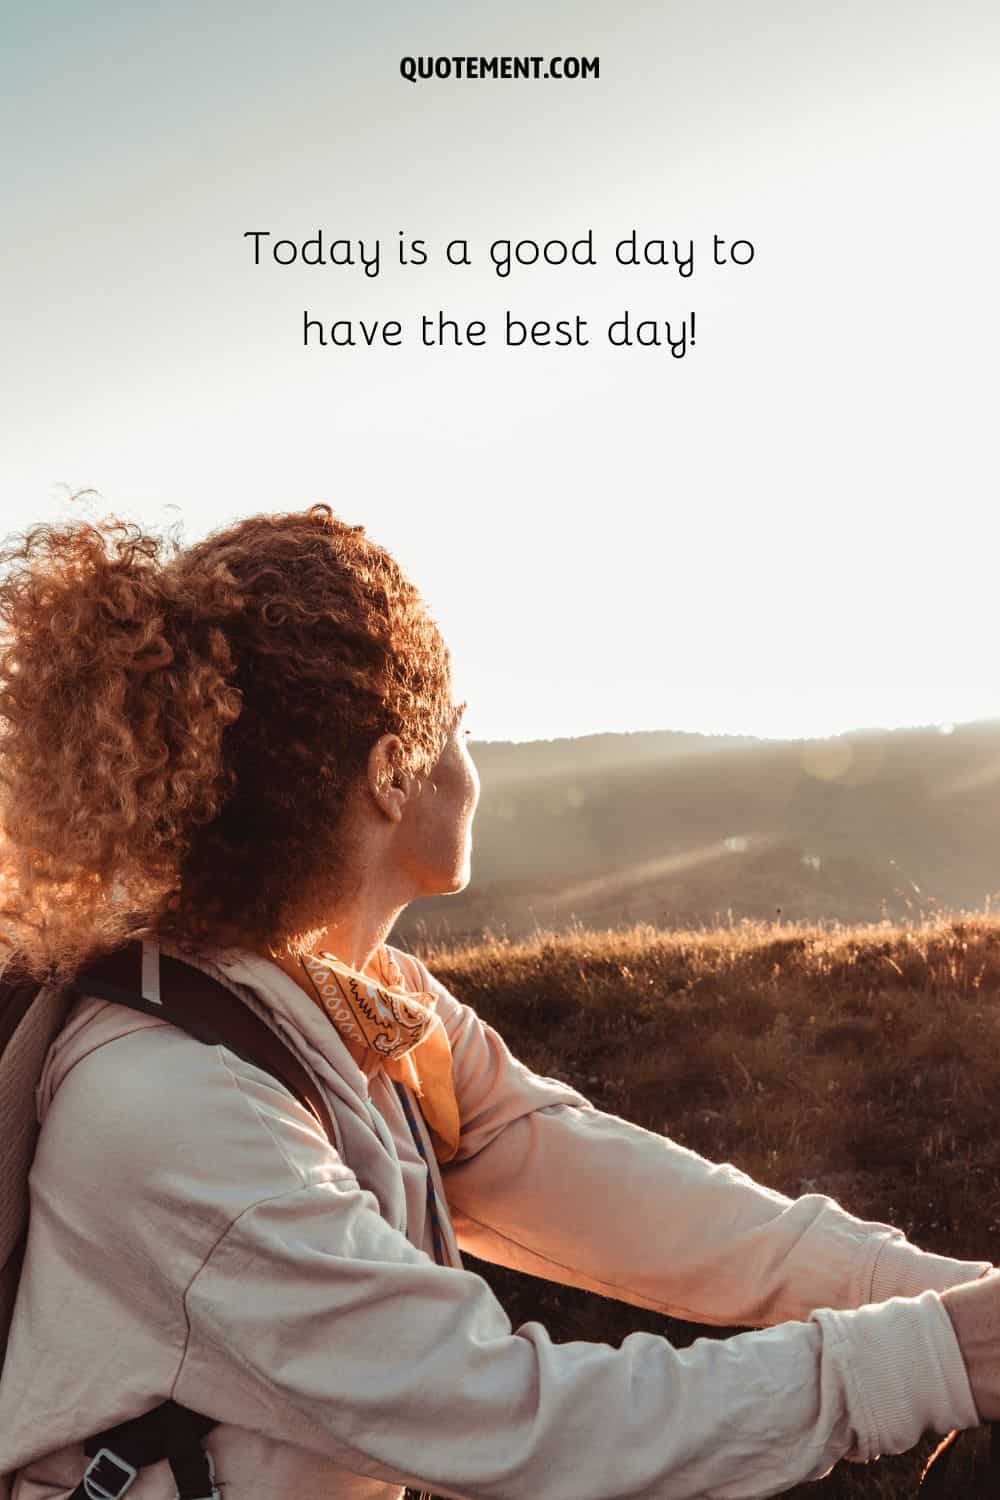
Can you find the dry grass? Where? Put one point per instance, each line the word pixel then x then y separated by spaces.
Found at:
pixel 862 1062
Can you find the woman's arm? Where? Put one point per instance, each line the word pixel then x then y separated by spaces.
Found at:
pixel 316 1324
pixel 244 1254
pixel 545 1183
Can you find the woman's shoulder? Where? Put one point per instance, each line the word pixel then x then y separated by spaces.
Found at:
pixel 151 1116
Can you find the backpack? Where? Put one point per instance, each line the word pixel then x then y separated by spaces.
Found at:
pixel 31 1017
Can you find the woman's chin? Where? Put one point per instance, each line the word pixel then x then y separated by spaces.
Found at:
pixel 451 884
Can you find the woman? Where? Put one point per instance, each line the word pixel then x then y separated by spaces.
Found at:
pixel 247 750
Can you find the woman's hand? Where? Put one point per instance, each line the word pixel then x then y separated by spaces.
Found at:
pixel 974 1310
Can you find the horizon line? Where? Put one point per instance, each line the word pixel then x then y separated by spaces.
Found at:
pixel 945 727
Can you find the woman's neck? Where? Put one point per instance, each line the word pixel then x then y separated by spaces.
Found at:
pixel 356 939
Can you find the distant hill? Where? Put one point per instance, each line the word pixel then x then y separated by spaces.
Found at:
pixel 676 828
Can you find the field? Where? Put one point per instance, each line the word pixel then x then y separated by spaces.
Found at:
pixel 861 1062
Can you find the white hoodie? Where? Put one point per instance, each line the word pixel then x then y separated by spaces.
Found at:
pixel 194 1236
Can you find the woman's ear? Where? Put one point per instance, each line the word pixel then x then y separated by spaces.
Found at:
pixel 390 788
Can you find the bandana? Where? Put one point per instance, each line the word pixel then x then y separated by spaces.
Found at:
pixel 386 1023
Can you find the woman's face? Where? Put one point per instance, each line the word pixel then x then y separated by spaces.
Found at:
pixel 437 845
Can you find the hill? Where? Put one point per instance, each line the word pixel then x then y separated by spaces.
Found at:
pixel 859 1062
pixel 680 828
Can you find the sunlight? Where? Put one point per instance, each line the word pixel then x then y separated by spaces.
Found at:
pixel 619 881
pixel 969 781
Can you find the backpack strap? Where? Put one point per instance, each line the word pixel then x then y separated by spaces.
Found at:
pixel 185 997
pixel 168 1431
pixel 206 1010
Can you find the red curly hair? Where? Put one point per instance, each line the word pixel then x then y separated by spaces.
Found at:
pixel 181 726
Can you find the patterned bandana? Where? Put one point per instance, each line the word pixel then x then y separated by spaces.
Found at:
pixel 386 1023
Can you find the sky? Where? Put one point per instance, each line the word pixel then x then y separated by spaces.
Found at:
pixel 790 530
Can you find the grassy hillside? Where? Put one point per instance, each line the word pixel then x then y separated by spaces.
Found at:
pixel 862 1062
pixel 681 829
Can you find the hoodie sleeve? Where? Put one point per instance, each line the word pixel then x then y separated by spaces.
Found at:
pixel 315 1323
pixel 254 1279
pixel 545 1183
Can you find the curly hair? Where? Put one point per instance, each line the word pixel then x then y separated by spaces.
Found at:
pixel 180 726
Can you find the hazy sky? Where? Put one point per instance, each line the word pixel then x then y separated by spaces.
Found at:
pixel 790 530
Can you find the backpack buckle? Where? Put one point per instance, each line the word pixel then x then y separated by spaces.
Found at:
pixel 108 1476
